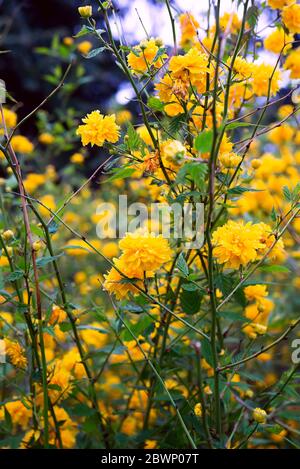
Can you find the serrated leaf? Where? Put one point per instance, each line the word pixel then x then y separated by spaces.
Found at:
pixel 134 141
pixel 241 189
pixel 16 275
pixel 83 31
pixel 287 193
pixel 42 261
pixel 94 52
pixel 181 264
pixel 155 104
pixel 190 301
pixel 120 173
pixel 203 141
pixel 206 351
pixel 196 171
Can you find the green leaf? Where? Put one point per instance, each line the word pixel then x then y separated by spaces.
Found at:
pixel 190 287
pixel 134 141
pixel 182 265
pixel 155 104
pixel 137 328
pixel 232 316
pixel 241 189
pixel 252 16
pixel 83 32
pixel 287 193
pixel 235 125
pixel 82 410
pixel 42 261
pixel 196 171
pixel 94 52
pixel 203 141
pixel 8 420
pixel 121 173
pixel 190 301
pixel 16 275
pixel 224 283
pixel 176 124
pixel 206 351
pixel 275 268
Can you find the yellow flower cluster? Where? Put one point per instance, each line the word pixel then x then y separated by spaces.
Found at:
pixel 291 17
pixel 98 129
pixel 142 255
pixel 16 353
pixel 144 56
pixel 188 28
pixel 238 244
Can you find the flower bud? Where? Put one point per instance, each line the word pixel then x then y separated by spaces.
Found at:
pixel 256 163
pixel 7 235
pixel 260 329
pixel 85 11
pixel 198 410
pixel 36 246
pixel 259 415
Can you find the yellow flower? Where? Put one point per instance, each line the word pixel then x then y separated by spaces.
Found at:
pixel 85 11
pixel 142 56
pixel 278 4
pixel 144 252
pixel 21 144
pixel 261 76
pixel 150 444
pixel 20 414
pixel 7 235
pixel 230 160
pixel 33 181
pixel 256 163
pixel 123 116
pixel 49 202
pixel 267 239
pixel 145 136
pixel 281 134
pixel 93 336
pixel 98 129
pixel 259 415
pixel 77 158
pixel 231 22
pixel 241 67
pixel 16 353
pixel 292 63
pixel 276 41
pixel 118 284
pixel 57 315
pixel 188 27
pixel 68 41
pixel 255 292
pixel 198 410
pixel 193 65
pixel 110 249
pixel 84 47
pixel 291 17
pixel 10 119
pixel 46 138
pixel 237 244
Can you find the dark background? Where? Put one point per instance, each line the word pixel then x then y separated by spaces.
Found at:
pixel 28 24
